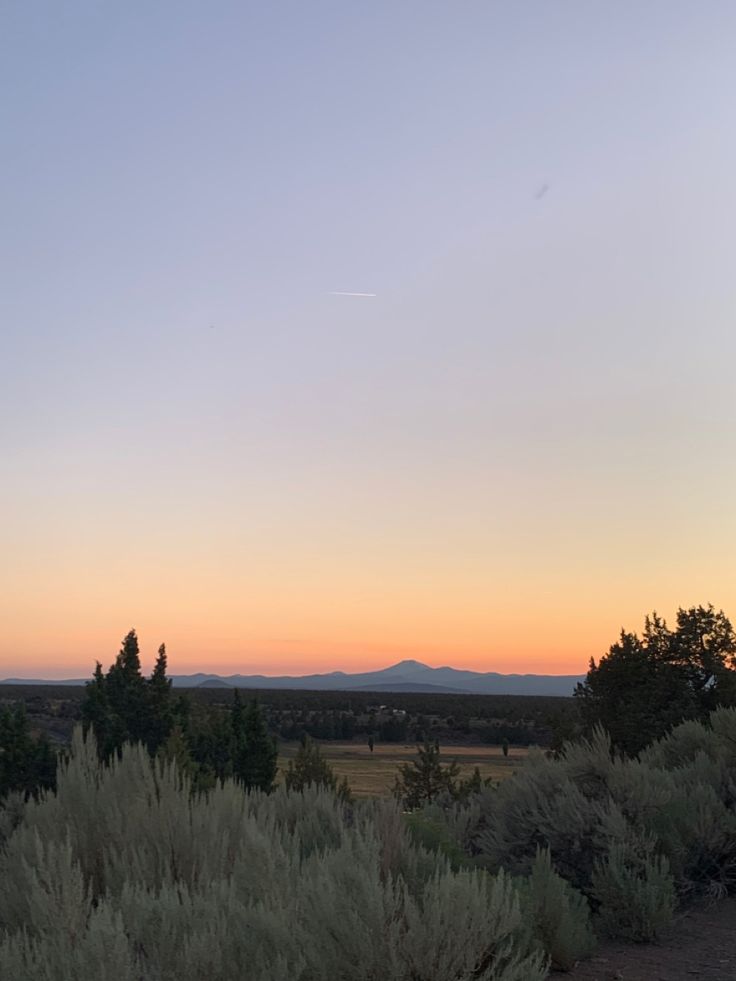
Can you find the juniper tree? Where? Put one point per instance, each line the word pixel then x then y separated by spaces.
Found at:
pixel 309 768
pixel 425 778
pixel 123 706
pixel 27 765
pixel 210 739
pixel 126 689
pixel 160 711
pixel 96 710
pixel 254 751
pixel 647 684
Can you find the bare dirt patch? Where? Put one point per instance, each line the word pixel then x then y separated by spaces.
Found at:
pixel 700 947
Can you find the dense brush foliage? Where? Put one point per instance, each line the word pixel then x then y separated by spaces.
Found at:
pixel 128 871
pixel 634 836
pixel 125 874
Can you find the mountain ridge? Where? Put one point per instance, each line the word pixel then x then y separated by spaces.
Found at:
pixel 406 675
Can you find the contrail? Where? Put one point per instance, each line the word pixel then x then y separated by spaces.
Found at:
pixel 347 293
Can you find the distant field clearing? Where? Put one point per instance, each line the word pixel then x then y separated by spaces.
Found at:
pixel 373 774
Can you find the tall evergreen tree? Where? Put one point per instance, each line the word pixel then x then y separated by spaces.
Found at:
pixel 96 710
pixel 127 693
pixel 123 706
pixel 27 764
pixel 210 739
pixel 254 750
pixel 160 709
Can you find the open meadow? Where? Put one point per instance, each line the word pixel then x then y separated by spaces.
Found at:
pixel 373 774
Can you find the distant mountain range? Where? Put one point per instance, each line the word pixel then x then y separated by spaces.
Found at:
pixel 408 676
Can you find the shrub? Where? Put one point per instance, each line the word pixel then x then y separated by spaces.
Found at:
pixel 124 874
pixel 635 891
pixel 557 915
pixel 541 807
pixel 431 831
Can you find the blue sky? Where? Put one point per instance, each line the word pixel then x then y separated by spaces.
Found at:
pixel 537 406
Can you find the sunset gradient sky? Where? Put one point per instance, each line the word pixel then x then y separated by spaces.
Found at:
pixel 524 441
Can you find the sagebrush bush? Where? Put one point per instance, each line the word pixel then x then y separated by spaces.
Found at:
pixel 124 874
pixel 678 800
pixel 635 892
pixel 540 808
pixel 557 915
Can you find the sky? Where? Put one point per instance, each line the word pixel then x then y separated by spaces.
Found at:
pixel 523 442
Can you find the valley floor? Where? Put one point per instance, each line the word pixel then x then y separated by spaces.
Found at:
pixel 373 774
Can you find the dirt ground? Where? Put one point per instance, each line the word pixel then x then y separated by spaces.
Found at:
pixel 700 947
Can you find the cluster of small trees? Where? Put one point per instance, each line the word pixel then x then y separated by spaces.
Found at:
pixel 122 706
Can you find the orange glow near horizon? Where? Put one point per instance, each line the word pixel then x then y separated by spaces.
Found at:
pixel 539 590
pixel 348 630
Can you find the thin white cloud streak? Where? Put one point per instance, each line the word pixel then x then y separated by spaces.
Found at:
pixel 346 293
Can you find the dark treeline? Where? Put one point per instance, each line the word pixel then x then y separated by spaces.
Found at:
pixel 648 684
pixel 520 720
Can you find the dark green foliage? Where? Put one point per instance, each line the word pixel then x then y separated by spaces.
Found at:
pixel 176 750
pixel 309 768
pixel 646 685
pixel 469 788
pixel 209 736
pixel 428 829
pixel 160 710
pixel 425 778
pixel 126 695
pixel 394 729
pixel 27 765
pixel 123 706
pixel 96 713
pixel 254 751
pixel 523 720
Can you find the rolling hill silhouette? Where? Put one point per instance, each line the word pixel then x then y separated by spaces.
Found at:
pixel 407 675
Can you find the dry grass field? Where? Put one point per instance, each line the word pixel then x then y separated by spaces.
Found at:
pixel 373 774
